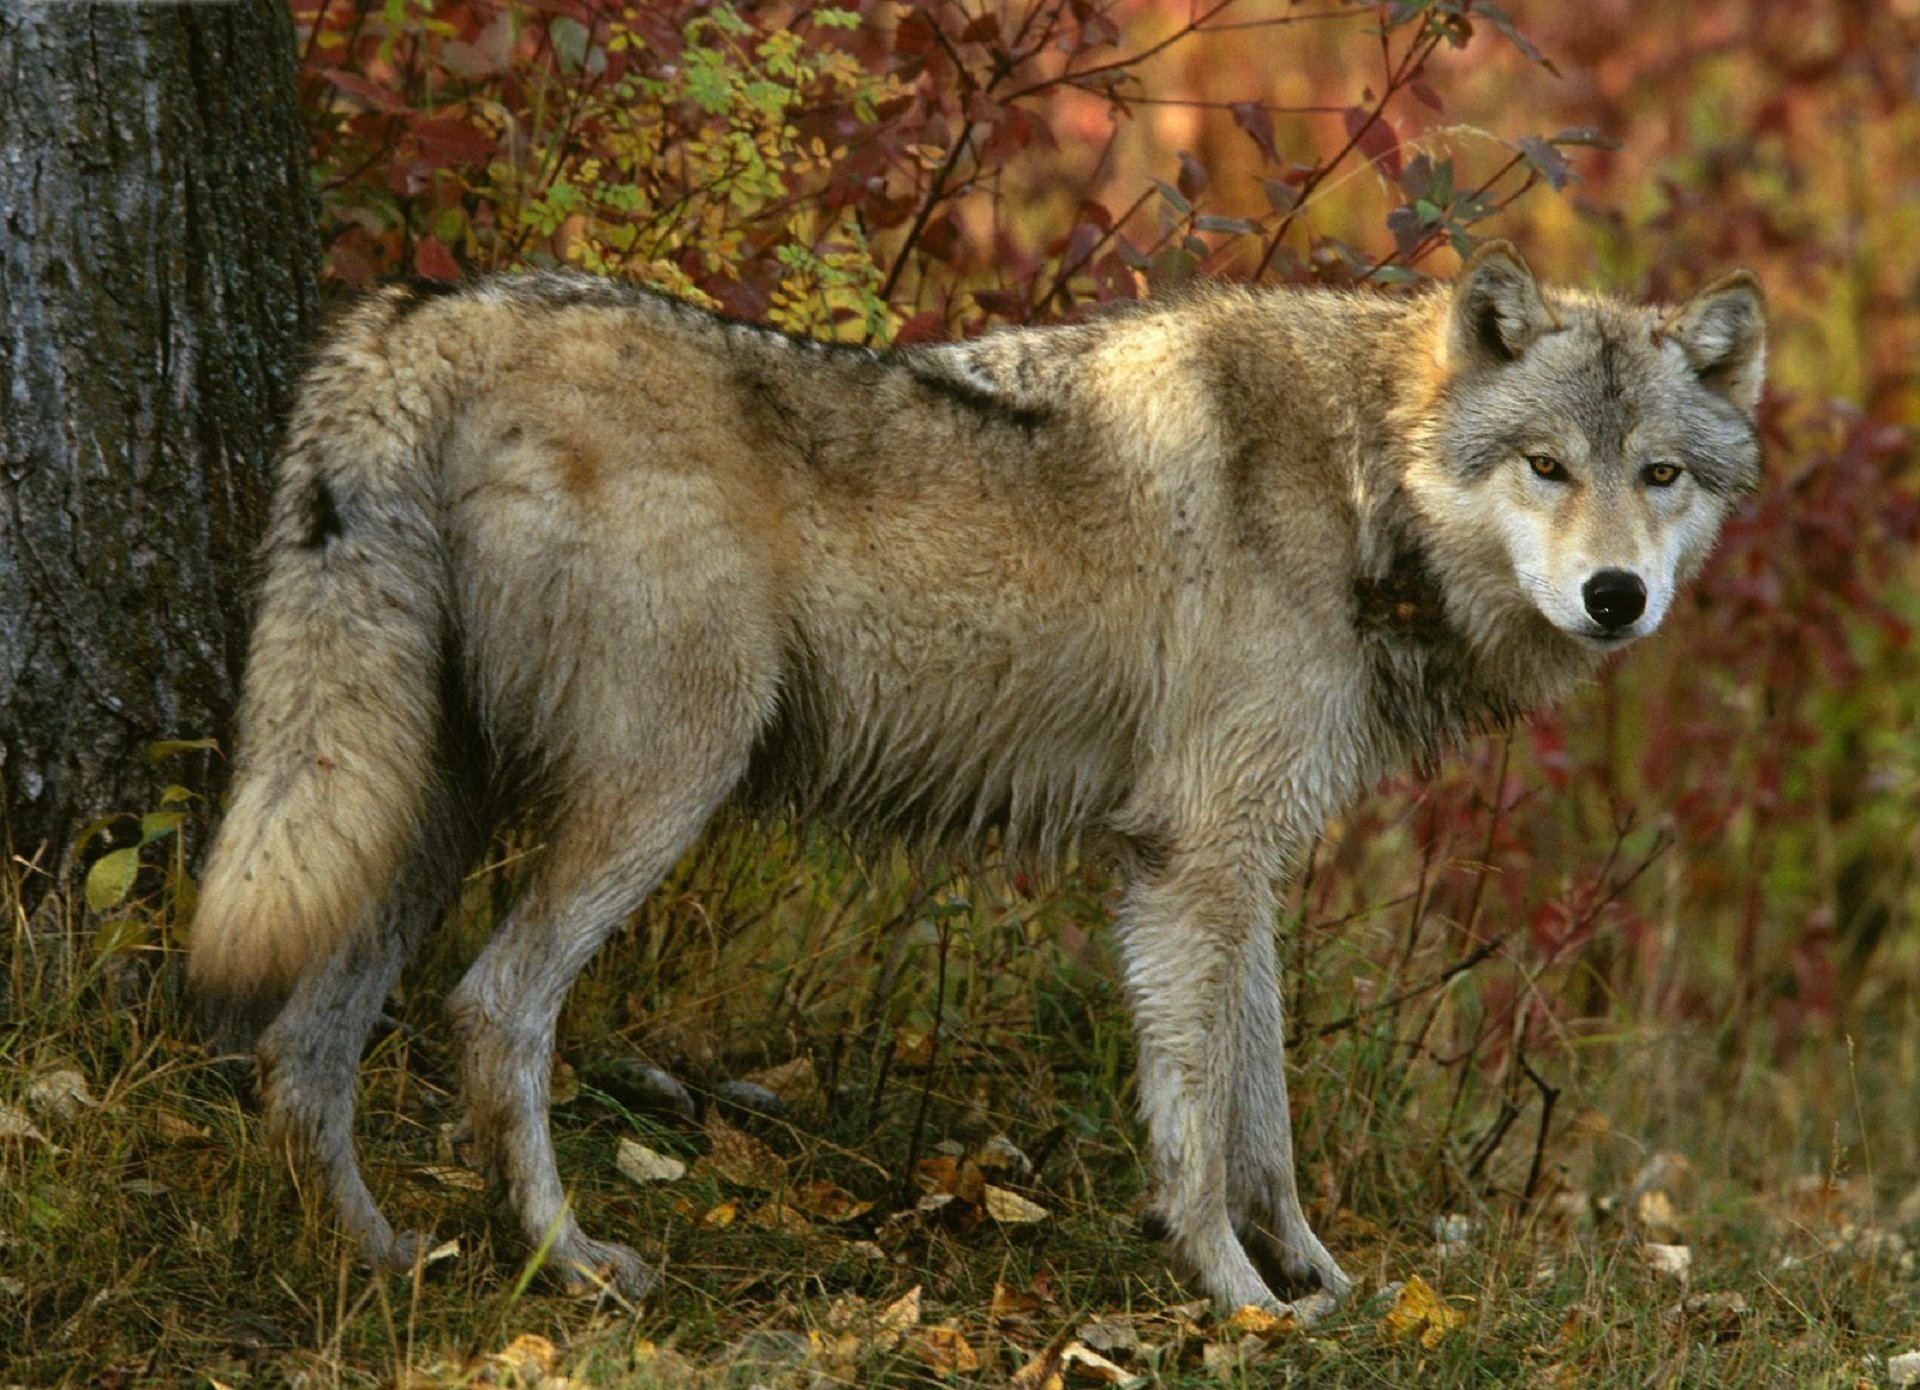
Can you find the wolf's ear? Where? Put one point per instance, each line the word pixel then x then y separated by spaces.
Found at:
pixel 1723 331
pixel 1497 312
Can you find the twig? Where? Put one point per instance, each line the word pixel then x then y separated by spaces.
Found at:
pixel 933 1059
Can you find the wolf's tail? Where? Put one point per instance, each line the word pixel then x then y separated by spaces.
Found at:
pixel 342 706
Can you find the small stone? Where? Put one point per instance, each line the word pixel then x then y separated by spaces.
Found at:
pixel 748 1098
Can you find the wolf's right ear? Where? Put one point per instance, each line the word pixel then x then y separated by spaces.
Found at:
pixel 1496 311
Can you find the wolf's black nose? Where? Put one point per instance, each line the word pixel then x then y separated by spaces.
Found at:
pixel 1615 598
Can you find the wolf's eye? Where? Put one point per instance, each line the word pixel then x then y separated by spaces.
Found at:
pixel 1548 467
pixel 1660 474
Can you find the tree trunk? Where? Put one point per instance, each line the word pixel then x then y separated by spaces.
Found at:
pixel 157 287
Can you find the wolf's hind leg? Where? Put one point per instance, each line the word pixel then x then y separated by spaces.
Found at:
pixel 310 1054
pixel 605 856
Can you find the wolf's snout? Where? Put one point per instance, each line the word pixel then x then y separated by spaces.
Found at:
pixel 1615 598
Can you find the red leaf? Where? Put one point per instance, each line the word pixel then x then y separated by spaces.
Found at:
pixel 445 142
pixel 379 97
pixel 1257 121
pixel 1375 137
pixel 432 259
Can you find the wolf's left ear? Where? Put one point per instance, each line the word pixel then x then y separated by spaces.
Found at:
pixel 1496 311
pixel 1723 331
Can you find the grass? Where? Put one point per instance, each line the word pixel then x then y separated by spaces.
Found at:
pixel 148 1236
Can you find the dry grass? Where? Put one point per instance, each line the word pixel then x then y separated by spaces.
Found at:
pixel 147 1236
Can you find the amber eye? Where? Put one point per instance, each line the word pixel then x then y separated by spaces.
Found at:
pixel 1660 474
pixel 1548 467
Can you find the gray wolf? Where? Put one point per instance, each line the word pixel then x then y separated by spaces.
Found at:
pixel 1171 585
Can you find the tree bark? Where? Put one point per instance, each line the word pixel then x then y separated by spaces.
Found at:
pixel 157 287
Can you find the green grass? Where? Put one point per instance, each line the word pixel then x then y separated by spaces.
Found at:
pixel 149 1235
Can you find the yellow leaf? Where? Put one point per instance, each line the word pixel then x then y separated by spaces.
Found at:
pixel 1041 1373
pixel 1248 1320
pixel 903 1313
pixel 943 1350
pixel 721 1215
pixel 778 1216
pixel 820 1198
pixel 1010 1208
pixel 529 1356
pixel 642 1165
pixel 1082 1365
pixel 452 1175
pixel 1419 1311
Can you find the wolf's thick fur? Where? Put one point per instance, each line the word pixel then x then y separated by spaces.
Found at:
pixel 1175 583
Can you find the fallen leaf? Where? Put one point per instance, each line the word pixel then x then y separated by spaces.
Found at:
pixel 791 1081
pixel 998 1154
pixel 178 1129
pixel 61 1093
pixel 738 1158
pixel 1418 1311
pixel 944 1350
pixel 1009 1305
pixel 1010 1208
pixel 527 1359
pixel 15 1125
pixel 452 1175
pixel 1108 1336
pixel 1721 1316
pixel 943 1175
pixel 643 1165
pixel 721 1215
pixel 912 1047
pixel 826 1202
pixel 902 1314
pixel 1081 1365
pixel 1250 1320
pixel 1041 1373
pixel 1668 1261
pixel 1656 1216
pixel 778 1216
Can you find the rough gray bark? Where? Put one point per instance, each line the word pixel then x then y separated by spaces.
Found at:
pixel 157 260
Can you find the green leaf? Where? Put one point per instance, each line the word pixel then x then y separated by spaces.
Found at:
pixel 94 827
pixel 162 749
pixel 836 19
pixel 118 934
pixel 569 38
pixel 156 825
pixel 111 878
pixel 175 794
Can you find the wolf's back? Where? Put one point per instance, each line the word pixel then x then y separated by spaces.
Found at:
pixel 341 705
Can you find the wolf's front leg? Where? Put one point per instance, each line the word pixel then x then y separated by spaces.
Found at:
pixel 1197 952
pixel 1265 1192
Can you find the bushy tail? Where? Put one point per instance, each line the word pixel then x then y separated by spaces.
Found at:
pixel 341 708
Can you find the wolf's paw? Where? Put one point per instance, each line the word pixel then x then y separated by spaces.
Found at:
pixel 1312 1274
pixel 403 1252
pixel 595 1267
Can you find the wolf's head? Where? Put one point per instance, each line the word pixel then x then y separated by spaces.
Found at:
pixel 1587 451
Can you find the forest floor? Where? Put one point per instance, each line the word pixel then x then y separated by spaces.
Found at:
pixel 938 1180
